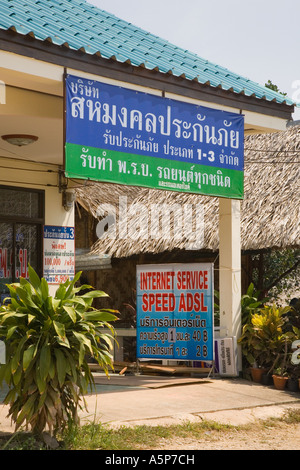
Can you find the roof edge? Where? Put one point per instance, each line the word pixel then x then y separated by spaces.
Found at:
pixel 29 46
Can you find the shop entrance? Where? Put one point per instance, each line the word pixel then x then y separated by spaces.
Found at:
pixel 21 234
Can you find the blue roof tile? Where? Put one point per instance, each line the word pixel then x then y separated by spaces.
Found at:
pixel 80 25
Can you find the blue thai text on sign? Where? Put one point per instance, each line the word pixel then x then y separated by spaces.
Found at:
pixel 175 312
pixel 59 253
pixel 119 135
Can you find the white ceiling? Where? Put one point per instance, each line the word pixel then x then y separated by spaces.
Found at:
pixel 49 146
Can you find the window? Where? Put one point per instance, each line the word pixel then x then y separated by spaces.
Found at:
pixel 21 234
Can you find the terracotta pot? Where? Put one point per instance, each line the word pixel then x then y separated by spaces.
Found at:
pixel 279 382
pixel 256 374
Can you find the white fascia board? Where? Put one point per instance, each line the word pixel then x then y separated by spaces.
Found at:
pixel 33 74
pixel 111 81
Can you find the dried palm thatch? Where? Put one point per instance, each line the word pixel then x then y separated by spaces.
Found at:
pixel 269 211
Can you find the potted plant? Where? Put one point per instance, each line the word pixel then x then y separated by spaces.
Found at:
pixel 254 353
pixel 281 374
pixel 280 378
pixel 263 338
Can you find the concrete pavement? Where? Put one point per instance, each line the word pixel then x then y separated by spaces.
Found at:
pixel 168 400
pixel 161 400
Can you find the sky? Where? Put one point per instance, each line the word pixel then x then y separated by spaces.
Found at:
pixel 258 39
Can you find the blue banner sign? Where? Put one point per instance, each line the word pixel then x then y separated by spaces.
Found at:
pixel 175 312
pixel 119 135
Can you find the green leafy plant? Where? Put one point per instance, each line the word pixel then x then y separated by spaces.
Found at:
pixel 263 338
pixel 281 371
pixel 48 340
pixel 216 308
pixel 250 303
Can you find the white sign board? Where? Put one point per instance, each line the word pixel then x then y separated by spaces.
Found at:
pixel 59 254
pixel 225 356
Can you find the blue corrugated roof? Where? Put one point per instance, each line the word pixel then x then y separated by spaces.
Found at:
pixel 80 25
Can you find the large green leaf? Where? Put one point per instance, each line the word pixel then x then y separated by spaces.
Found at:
pixel 12 316
pixel 28 356
pixel 41 384
pixel 34 278
pixel 55 303
pixel 81 354
pixel 72 363
pixel 17 375
pixel 16 358
pixel 61 292
pixel 61 366
pixel 25 297
pixel 10 331
pixel 26 409
pixel 41 401
pixel 60 329
pixel 71 312
pixel 94 294
pixel 44 289
pixel 83 340
pixel 63 341
pixel 45 359
pixel 72 284
pixel 10 397
pixel 99 315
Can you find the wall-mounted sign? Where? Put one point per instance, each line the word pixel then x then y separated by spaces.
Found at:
pixel 119 135
pixel 225 353
pixel 59 254
pixel 175 312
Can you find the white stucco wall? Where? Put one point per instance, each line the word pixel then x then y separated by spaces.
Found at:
pixel 16 173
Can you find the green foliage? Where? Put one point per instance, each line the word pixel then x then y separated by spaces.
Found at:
pixel 264 338
pixel 281 271
pixel 216 308
pixel 47 340
pixel 250 303
pixel 101 437
pixel 273 87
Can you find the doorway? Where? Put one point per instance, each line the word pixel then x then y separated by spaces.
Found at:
pixel 21 234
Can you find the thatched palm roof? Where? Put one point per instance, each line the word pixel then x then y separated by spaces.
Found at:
pixel 269 211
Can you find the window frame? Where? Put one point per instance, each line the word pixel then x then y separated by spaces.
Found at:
pixel 39 222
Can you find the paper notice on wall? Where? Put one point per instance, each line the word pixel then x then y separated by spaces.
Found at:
pixel 59 254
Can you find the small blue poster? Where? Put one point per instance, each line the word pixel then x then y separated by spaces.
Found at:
pixel 59 254
pixel 175 312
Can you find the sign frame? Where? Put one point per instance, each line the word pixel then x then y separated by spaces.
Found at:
pixel 119 135
pixel 58 240
pixel 175 312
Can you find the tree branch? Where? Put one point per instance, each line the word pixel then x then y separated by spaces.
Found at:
pixel 282 276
